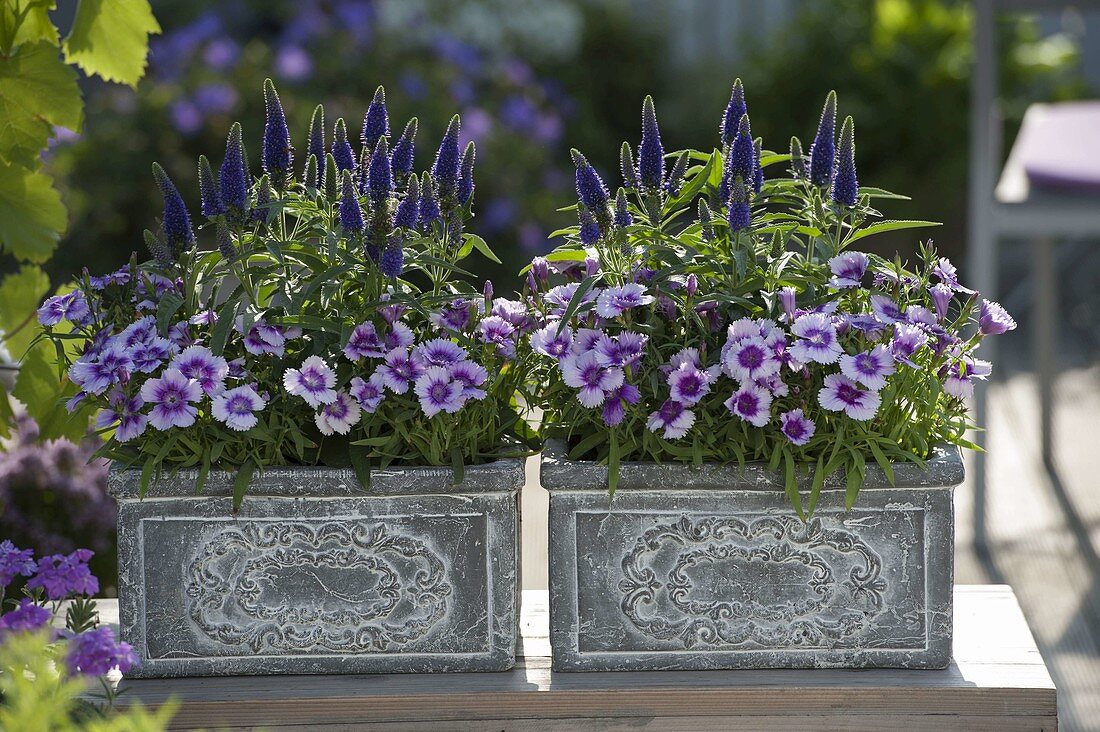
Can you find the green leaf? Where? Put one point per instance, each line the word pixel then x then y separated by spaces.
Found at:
pixel 111 38
pixel 458 469
pixel 32 217
pixel 790 483
pixel 41 391
pixel 169 305
pixel 481 246
pixel 884 226
pixel 240 482
pixel 20 294
pixel 360 463
pixel 818 483
pixel 37 92
pixel 575 301
pixel 36 26
pixel 613 466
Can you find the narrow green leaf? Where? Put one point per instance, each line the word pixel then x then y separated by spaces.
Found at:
pixel 575 301
pixel 240 482
pixel 884 226
pixel 458 468
pixel 791 483
pixel 360 463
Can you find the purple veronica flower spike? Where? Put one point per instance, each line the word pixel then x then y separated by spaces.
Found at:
pixel 112 366
pixel 796 427
pixel 472 376
pixel 735 110
pixel 339 416
pixel 886 310
pixel 845 186
pixel 651 154
pixel 125 412
pixel 823 150
pixel 908 339
pixel 26 617
pixel 549 342
pixel 498 331
pixel 869 368
pixel 614 301
pixel 622 350
pixel 409 209
pixel 439 352
pixel 590 187
pixel 465 189
pixel 751 403
pixel 379 173
pixel 176 221
pixel 365 342
pixel 399 369
pixel 841 394
pixel 232 176
pixel 816 339
pixel 614 407
pixel 15 562
pixel 673 418
pixel 172 395
pixel 369 393
pixel 593 381
pixel 341 148
pixel 277 154
pixel 848 269
pixel 315 144
pixel 376 122
pixel 994 319
pixel 445 168
pixel 209 194
pixel 949 276
pixel 351 213
pixel 439 392
pixel 200 364
pixel 740 214
pixel 63 575
pixel 590 232
pixel 237 408
pixel 687 384
pixel 403 150
pixel 741 162
pixel 750 359
pixel 95 652
pixel 313 382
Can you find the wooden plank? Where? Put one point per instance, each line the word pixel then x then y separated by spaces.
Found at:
pixel 998 675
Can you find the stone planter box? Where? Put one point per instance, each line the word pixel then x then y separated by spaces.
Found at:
pixel 710 568
pixel 316 575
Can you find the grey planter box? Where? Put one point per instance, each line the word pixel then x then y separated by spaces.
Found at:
pixel 316 575
pixel 710 568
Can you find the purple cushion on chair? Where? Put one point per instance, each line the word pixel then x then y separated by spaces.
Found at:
pixel 1060 147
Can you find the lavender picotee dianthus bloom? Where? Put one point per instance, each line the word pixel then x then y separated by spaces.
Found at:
pixel 172 396
pixel 313 382
pixel 673 420
pixel 796 427
pixel 339 416
pixel 237 408
pixel 751 403
pixel 841 394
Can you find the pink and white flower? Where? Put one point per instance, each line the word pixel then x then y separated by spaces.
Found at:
pixel 200 364
pixel 313 382
pixel 237 408
pixel 172 396
pixel 593 381
pixel 673 419
pixel 841 394
pixel 751 403
pixel 369 393
pixel 439 392
pixel 688 384
pixel 817 341
pixel 339 416
pixel 614 301
pixel 869 368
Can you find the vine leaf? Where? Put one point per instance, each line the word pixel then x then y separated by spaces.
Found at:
pixel 32 216
pixel 110 38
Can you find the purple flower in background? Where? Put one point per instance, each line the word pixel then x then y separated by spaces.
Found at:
pixel 797 428
pixel 673 418
pixel 445 167
pixel 313 382
pixel 351 214
pixel 886 310
pixel 186 116
pixel 848 269
pixel 403 150
pixel 365 342
pixel 171 396
pixel 429 204
pixel 651 153
pixel 200 364
pixel 841 394
pixel 463 55
pixel 594 382
pixel 376 122
pixel 408 211
pixel 95 652
pixel 620 351
pixel 549 342
pixel 616 300
pixel 369 393
pixel 208 190
pixel 439 352
pixel 124 411
pixel 466 175
pixel 26 617
pixel 439 392
pixel 339 416
pixel 221 54
pixel 908 339
pixel 590 232
pixel 399 369
pixel 111 366
pixel 237 408
pixel 994 319
pixel 63 575
pixel 845 186
pixel 277 155
pixel 614 407
pixel 590 187
pixel 293 63
pixel 216 98
pixel 15 562
pixel 735 110
pixel 869 368
pixel 176 222
pixel 751 403
pixel 949 276
pixel 941 299
pixel 71 306
pixel 823 150
pixel 341 148
pixel 472 376
pixel 750 359
pixel 817 340
pixel 517 112
pixel 232 176
pixel 687 384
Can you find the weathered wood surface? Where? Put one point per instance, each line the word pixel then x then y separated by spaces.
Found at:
pixel 997 682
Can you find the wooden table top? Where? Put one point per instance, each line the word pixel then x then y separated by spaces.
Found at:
pixel 998 682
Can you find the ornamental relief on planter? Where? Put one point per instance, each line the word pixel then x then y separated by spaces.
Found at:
pixel 299 586
pixel 720 582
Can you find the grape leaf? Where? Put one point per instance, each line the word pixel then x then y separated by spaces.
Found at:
pixel 111 38
pixel 32 216
pixel 37 92
pixel 20 294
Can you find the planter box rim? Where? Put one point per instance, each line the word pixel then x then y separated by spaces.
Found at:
pixel 505 475
pixel 559 473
